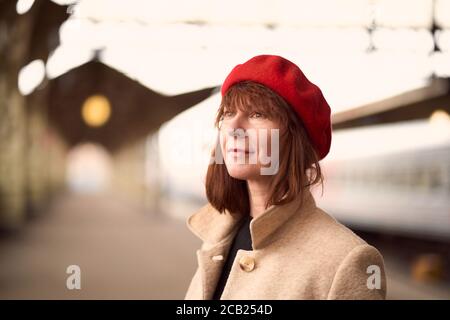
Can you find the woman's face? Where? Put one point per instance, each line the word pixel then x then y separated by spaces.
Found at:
pixel 250 144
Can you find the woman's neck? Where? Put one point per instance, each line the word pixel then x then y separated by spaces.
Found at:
pixel 258 191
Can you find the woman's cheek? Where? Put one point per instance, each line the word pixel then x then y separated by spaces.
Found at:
pixel 263 147
pixel 223 142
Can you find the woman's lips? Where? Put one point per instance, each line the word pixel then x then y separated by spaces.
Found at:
pixel 237 150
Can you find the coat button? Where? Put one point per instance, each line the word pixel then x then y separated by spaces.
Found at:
pixel 217 258
pixel 247 263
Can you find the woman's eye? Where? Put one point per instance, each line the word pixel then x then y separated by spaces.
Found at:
pixel 257 115
pixel 227 113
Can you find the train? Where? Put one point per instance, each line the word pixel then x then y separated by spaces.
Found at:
pixel 386 178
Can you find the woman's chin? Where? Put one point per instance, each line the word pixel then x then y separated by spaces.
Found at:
pixel 243 171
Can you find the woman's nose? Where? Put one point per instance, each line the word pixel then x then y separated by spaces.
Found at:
pixel 237 126
pixel 238 121
pixel 236 132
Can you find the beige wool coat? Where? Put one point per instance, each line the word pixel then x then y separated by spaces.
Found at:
pixel 299 252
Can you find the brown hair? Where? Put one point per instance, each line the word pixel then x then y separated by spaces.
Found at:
pixel 297 154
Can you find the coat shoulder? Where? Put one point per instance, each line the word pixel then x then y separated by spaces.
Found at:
pixel 320 231
pixel 338 259
pixel 336 232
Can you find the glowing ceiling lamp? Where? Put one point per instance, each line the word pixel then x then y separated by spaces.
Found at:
pixel 31 76
pixel 23 6
pixel 96 110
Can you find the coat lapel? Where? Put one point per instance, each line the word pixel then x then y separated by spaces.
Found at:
pixel 217 231
pixel 263 227
pixel 211 262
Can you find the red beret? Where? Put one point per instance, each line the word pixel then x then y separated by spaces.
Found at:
pixel 287 80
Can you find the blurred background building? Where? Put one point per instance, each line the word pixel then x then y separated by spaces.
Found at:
pixel 106 124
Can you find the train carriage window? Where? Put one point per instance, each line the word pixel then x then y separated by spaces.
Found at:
pixel 419 179
pixel 435 177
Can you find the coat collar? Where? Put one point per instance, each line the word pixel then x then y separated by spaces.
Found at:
pixel 216 228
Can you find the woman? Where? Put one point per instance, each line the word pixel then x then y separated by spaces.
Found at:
pixel 263 235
